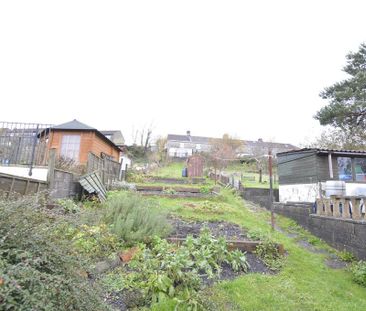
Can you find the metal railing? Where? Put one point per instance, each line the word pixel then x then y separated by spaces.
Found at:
pixel 22 143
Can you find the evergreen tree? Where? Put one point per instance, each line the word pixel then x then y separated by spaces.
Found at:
pixel 347 99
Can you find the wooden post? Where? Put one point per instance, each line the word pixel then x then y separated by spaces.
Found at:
pixel 271 189
pixel 51 168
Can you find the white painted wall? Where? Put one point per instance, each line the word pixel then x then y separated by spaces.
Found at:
pixel 309 192
pixel 299 193
pixel 39 173
pixel 179 152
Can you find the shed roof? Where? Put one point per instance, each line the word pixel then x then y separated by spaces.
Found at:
pixel 324 151
pixel 74 125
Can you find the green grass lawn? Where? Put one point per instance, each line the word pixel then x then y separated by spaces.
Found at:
pixel 172 170
pixel 305 282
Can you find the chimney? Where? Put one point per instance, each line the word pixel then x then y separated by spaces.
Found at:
pixel 260 140
pixel 188 133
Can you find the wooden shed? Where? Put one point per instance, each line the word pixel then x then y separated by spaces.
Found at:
pixel 303 173
pixel 195 166
pixel 74 140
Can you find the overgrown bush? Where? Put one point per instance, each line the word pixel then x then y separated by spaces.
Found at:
pixel 358 271
pixel 135 219
pixel 38 268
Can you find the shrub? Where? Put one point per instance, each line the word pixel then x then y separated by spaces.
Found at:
pixel 134 219
pixel 358 271
pixel 68 206
pixel 38 268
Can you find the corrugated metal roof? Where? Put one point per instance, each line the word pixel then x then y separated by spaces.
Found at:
pixel 322 150
pixel 92 183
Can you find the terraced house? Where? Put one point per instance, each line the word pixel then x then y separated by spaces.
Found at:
pixel 183 146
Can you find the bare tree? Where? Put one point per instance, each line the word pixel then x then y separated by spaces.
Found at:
pixel 222 151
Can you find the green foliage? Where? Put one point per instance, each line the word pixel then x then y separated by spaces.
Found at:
pixel 68 205
pixel 257 234
pixel 347 105
pixel 134 219
pixel 205 189
pixel 358 271
pixel 38 268
pixel 135 177
pixel 164 270
pixel 346 256
pixel 267 250
pixel 94 241
pixel 169 191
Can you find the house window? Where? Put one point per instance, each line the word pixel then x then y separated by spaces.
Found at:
pixel 360 169
pixel 70 147
pixel 344 168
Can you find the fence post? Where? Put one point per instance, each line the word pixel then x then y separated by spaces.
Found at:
pixel 51 167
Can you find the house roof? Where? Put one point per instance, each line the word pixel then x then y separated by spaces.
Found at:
pixel 116 136
pixel 246 143
pixel 189 138
pixel 325 151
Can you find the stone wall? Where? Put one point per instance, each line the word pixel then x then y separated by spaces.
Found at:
pixel 259 196
pixel 342 234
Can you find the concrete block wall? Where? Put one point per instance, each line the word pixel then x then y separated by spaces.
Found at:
pixel 342 234
pixel 64 185
pixel 259 196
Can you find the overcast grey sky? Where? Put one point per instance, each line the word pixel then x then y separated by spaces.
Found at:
pixel 249 68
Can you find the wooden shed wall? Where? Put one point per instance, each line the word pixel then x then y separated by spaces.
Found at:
pixel 297 168
pixel 89 142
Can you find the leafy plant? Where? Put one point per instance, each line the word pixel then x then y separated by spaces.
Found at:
pixel 358 271
pixel 95 241
pixel 165 270
pixel 267 250
pixel 346 256
pixel 134 219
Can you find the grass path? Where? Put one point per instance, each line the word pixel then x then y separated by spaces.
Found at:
pixel 305 283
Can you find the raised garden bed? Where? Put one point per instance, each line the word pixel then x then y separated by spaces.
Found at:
pixel 235 236
pixel 177 180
